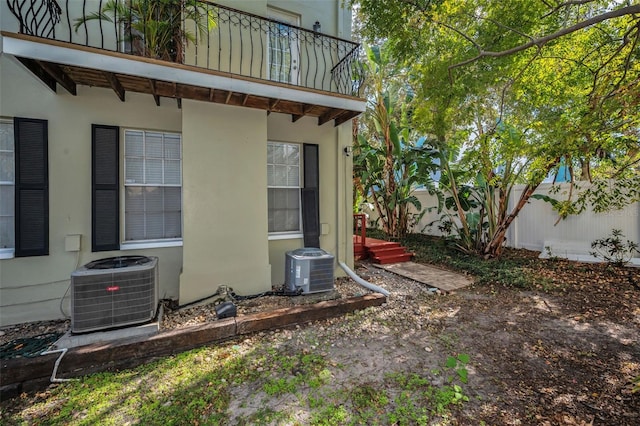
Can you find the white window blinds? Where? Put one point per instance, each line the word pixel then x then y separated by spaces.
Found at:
pixel 153 179
pixel 7 185
pixel 283 186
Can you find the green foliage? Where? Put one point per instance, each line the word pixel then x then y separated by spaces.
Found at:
pixel 614 249
pixel 607 195
pixel 267 416
pixel 439 399
pixel 390 161
pixel 511 118
pixel 293 371
pixel 155 28
pixel 507 271
pixel 407 411
pixel 457 365
pixel 330 415
pixel 368 403
pixel 601 195
pixel 197 387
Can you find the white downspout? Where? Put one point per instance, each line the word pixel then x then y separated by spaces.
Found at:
pixel 342 154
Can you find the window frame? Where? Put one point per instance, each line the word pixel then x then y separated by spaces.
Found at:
pixel 9 252
pixel 151 242
pixel 282 235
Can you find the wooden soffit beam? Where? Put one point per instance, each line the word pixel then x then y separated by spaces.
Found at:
pixel 154 91
pixel 39 72
pixel 115 84
pixel 343 118
pixel 329 115
pixel 59 76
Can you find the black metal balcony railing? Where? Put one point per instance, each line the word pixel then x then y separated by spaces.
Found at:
pixel 201 34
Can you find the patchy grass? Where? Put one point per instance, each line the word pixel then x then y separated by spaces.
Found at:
pixel 196 387
pixel 186 388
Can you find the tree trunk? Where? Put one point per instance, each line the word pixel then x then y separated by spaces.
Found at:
pixel 494 247
pixel 585 172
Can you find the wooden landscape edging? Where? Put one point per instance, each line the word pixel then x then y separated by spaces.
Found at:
pixel 30 374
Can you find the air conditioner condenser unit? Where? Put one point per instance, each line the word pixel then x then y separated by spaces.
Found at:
pixel 114 292
pixel 309 270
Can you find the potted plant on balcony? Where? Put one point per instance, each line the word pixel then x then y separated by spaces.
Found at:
pixel 155 28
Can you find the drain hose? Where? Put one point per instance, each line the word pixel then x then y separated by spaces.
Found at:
pixel 362 282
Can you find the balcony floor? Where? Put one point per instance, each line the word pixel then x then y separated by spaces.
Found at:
pixel 69 65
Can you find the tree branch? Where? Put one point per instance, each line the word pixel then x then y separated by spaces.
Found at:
pixel 565 4
pixel 539 42
pixel 625 41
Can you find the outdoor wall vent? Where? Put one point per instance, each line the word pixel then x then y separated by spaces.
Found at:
pixel 114 292
pixel 309 270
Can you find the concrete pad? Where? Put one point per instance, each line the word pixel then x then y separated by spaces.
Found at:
pixel 69 340
pixel 429 275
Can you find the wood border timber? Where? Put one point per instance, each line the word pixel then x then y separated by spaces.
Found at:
pixel 31 374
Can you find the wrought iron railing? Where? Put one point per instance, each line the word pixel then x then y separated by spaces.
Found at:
pixel 202 34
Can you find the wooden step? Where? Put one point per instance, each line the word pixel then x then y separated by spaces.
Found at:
pixel 396 258
pixel 380 245
pixel 387 251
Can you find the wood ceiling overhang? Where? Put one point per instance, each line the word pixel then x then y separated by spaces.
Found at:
pixel 68 76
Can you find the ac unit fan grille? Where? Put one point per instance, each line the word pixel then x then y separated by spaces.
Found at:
pixel 321 275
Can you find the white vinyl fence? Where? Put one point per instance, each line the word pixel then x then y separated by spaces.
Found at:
pixel 535 227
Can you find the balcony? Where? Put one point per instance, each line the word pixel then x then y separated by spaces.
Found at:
pixel 191 49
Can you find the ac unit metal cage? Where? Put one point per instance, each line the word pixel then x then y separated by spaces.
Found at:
pixel 114 292
pixel 309 270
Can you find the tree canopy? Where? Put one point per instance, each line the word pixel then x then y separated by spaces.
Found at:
pixel 520 88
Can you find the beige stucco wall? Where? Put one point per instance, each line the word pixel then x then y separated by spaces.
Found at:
pixel 31 287
pixel 335 187
pixel 334 19
pixel 225 197
pixel 224 183
pixel 225 200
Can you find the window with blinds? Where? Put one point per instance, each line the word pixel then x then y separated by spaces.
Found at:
pixel 153 185
pixel 283 186
pixel 7 185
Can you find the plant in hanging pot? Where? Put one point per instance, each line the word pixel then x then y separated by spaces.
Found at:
pixel 155 28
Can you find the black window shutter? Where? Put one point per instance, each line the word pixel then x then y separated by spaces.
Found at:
pixel 311 197
pixel 105 209
pixel 31 187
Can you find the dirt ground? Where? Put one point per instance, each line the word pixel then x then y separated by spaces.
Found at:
pixel 563 352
